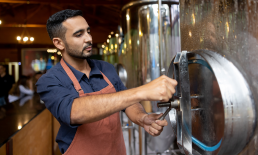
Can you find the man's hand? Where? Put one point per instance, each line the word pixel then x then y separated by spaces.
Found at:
pixel 152 125
pixel 160 89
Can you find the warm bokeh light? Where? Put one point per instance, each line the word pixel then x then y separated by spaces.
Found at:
pixel 117 35
pixel 18 38
pixel 107 40
pixel 52 50
pixel 52 57
pixel 227 25
pixel 193 19
pixel 103 46
pixel 140 33
pixel 19 127
pixel 127 17
pixel 31 39
pixel 25 39
pixel 109 36
pixel 112 32
pixel 0 22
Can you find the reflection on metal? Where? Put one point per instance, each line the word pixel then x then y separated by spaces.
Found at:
pixel 144 2
pixel 222 115
pixel 121 71
pixel 229 28
pixel 141 53
pixel 172 104
pixel 185 104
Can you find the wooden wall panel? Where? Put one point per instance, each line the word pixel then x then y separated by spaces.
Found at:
pixel 36 137
pixel 3 150
pixel 56 127
pixel 9 55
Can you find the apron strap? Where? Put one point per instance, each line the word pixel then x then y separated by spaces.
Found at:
pixel 76 84
pixel 106 79
pixel 68 71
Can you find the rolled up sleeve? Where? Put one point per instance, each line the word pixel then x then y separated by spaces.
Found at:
pixel 58 99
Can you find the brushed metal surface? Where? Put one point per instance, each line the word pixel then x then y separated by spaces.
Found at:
pixel 140 53
pixel 229 28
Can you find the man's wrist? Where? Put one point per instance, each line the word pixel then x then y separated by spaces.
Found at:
pixel 142 119
pixel 140 94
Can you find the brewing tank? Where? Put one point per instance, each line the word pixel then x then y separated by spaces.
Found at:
pixel 210 47
pixel 222 36
pixel 147 48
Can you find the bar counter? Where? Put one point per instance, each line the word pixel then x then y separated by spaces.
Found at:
pixel 27 127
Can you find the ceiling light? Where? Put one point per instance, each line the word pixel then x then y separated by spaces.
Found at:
pixel 25 39
pixel 31 39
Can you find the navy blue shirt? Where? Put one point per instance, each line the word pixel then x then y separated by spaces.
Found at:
pixel 57 91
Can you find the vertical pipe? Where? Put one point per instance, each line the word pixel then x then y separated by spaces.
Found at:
pixel 161 54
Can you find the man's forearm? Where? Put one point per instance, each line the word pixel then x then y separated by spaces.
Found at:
pixel 96 107
pixel 136 113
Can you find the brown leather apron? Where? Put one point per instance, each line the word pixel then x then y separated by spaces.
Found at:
pixel 103 137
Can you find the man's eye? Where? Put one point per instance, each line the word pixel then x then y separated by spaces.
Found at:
pixel 89 32
pixel 78 34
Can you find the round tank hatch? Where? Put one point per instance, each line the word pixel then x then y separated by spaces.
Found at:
pixel 216 114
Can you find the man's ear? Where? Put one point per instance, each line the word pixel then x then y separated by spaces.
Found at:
pixel 58 43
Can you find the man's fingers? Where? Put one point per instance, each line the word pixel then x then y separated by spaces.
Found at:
pixel 161 122
pixel 172 81
pixel 154 131
pixel 151 133
pixel 156 126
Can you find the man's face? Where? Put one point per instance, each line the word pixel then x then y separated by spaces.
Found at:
pixel 78 42
pixel 2 69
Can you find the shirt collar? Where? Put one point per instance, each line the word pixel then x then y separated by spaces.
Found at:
pixel 94 70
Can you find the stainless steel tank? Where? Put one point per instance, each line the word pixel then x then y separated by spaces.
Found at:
pixel 148 46
pixel 220 37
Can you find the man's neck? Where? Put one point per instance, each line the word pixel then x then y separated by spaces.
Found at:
pixel 79 64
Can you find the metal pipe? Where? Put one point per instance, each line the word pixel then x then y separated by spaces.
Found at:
pixel 161 53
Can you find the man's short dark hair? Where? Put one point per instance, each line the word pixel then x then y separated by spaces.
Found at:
pixel 54 23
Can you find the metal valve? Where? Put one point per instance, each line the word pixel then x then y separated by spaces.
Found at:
pixel 170 105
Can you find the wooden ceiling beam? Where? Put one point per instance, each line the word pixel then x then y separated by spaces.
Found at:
pixel 23 25
pixel 108 26
pixel 65 2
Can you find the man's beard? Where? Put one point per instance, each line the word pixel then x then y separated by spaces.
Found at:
pixel 77 53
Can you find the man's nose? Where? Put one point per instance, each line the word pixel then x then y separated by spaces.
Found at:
pixel 88 38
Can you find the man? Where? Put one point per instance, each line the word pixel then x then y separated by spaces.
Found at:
pixel 6 83
pixel 86 95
